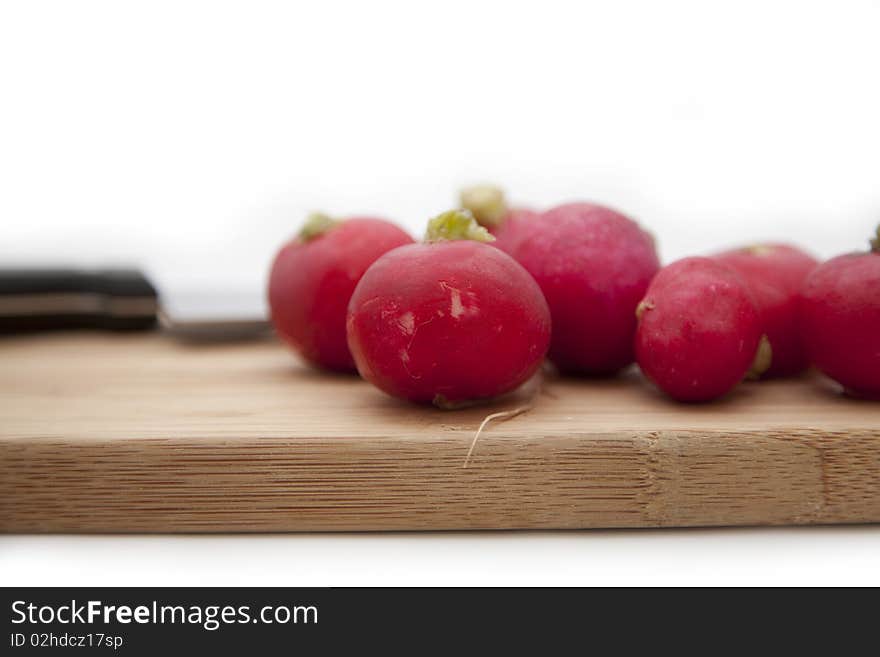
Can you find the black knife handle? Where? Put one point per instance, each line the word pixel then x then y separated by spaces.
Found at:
pixel 55 299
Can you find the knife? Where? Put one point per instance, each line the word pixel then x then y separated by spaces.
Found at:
pixel 37 300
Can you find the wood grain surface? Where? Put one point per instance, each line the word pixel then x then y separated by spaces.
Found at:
pixel 130 433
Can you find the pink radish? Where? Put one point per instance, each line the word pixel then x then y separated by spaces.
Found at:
pixel 593 265
pixel 312 280
pixel 450 320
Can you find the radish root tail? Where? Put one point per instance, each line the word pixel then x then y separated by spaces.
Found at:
pixel 536 385
pixel 502 415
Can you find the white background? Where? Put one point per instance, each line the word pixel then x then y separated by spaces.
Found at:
pixel 191 138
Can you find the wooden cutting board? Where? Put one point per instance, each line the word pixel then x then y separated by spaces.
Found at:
pixel 139 434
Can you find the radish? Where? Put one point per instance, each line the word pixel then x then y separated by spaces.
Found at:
pixel 699 330
pixel 450 320
pixel 593 265
pixel 312 280
pixel 839 311
pixel 775 274
pixel 509 227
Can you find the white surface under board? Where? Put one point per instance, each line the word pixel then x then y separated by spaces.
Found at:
pixel 816 556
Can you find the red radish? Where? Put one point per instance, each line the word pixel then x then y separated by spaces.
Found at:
pixel 448 321
pixel 775 274
pixel 313 277
pixel 509 227
pixel 839 312
pixel 699 330
pixel 593 265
